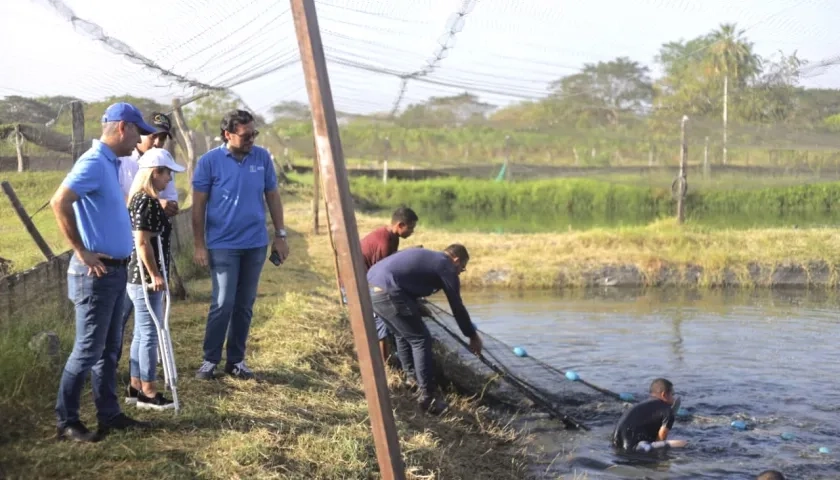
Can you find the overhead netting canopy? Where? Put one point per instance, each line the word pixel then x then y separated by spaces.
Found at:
pixel 509 376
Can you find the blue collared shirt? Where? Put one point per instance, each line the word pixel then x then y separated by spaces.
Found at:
pixel 101 212
pixel 236 190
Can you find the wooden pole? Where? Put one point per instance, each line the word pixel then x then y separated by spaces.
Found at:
pixel 27 222
pixel 343 225
pixel 77 134
pixel 189 139
pixel 19 148
pixel 681 180
pixel 706 157
pixel 316 192
pixel 208 139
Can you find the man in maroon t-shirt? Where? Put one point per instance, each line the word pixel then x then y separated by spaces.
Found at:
pixel 380 243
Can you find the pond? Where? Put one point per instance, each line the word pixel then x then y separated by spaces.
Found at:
pixel 768 358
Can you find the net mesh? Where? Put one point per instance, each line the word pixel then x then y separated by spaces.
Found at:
pixel 531 384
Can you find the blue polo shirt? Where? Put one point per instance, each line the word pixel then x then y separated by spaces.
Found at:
pixel 420 272
pixel 101 214
pixel 236 190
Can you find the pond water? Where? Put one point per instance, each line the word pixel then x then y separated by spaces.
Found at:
pixel 768 358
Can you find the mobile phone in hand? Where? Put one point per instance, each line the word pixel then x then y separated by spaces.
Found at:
pixel 275 258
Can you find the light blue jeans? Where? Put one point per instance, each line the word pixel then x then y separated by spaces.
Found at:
pixel 235 274
pixel 142 362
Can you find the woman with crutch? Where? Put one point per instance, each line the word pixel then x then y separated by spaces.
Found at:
pixel 152 255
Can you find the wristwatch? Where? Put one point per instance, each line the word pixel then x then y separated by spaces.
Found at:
pixel 280 233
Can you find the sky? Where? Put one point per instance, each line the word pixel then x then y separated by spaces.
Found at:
pixel 504 51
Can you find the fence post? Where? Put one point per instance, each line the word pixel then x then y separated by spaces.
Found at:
pixel 77 134
pixel 189 138
pixel 706 158
pixel 343 224
pixel 19 148
pixel 682 185
pixel 27 222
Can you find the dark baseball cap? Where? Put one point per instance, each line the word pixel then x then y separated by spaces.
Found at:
pixel 162 122
pixel 127 112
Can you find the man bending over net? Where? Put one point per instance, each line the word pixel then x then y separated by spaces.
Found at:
pixel 646 425
pixel 396 283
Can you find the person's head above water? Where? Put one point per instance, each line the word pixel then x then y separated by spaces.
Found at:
pixel 662 389
pixel 770 475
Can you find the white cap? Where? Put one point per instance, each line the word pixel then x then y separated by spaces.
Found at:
pixel 159 157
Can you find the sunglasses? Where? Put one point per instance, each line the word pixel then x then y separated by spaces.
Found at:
pixel 248 136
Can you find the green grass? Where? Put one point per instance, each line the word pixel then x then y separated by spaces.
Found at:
pixel 306 418
pixel 34 189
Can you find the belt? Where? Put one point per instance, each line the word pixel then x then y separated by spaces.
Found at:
pixel 114 262
pixel 376 290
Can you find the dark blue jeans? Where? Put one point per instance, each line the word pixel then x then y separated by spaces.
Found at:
pixel 414 342
pixel 99 305
pixel 235 275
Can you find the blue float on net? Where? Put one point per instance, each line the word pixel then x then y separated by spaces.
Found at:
pixel 739 425
pixel 626 397
pixel 520 352
pixel 681 412
pixel 825 450
pixel 572 376
pixel 787 436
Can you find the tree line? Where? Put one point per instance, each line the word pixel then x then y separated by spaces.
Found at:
pixel 745 107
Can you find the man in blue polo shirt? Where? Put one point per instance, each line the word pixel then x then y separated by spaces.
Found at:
pixel 228 217
pixel 396 283
pixel 89 207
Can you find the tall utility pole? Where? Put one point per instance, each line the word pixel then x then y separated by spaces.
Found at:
pixel 682 184
pixel 725 110
pixel 342 221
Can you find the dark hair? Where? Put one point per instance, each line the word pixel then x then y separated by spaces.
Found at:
pixel 770 475
pixel 404 215
pixel 233 119
pixel 456 250
pixel 661 385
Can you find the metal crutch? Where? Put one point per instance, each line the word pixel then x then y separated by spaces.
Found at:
pixel 170 373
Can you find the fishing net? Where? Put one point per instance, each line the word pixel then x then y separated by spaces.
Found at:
pixel 522 382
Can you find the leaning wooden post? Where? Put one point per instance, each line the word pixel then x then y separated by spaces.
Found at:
pixel 27 222
pixel 343 225
pixel 77 134
pixel 316 194
pixel 19 148
pixel 681 180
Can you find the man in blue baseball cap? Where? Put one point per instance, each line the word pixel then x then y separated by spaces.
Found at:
pixel 126 112
pixel 91 212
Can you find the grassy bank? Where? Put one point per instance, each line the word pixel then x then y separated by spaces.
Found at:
pixel 306 418
pixel 655 254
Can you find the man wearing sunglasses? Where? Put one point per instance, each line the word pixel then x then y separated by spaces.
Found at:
pixel 129 165
pixel 229 186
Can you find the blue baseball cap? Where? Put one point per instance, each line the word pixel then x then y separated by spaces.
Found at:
pixel 127 112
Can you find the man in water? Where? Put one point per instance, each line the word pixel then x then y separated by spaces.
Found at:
pixel 381 243
pixel 770 475
pixel 396 283
pixel 646 425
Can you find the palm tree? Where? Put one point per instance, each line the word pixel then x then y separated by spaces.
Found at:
pixel 732 55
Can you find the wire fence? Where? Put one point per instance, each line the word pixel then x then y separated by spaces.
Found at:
pixel 463 87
